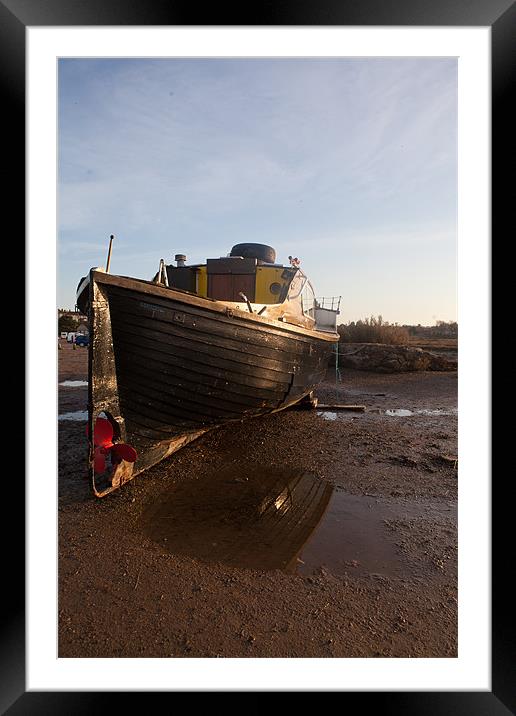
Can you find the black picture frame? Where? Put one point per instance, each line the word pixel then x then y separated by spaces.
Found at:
pixel 15 17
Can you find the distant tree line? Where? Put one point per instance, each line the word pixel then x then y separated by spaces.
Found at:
pixel 66 323
pixel 373 330
pixel 69 320
pixel 442 329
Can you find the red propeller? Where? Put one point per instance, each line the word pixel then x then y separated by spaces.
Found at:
pixel 103 442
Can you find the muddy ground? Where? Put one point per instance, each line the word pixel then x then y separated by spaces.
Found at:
pixel 171 566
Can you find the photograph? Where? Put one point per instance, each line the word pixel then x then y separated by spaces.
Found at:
pixel 257 343
pixel 252 462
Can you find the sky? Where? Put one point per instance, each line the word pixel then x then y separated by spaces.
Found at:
pixel 350 164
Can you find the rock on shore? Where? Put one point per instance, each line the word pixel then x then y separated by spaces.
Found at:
pixel 382 358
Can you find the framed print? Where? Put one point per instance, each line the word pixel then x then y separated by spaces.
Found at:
pixel 71 75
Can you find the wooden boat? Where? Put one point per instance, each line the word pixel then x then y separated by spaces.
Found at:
pixel 194 348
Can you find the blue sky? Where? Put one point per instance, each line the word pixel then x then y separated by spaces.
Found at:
pixel 349 164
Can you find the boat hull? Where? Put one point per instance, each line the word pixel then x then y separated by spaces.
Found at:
pixel 166 366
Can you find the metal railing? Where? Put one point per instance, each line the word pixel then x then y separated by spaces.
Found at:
pixel 332 303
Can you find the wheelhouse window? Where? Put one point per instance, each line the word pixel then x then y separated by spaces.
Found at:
pixel 308 299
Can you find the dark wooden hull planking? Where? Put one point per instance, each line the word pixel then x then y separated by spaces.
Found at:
pixel 165 366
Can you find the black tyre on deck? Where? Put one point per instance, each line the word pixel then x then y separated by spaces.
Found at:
pixel 262 252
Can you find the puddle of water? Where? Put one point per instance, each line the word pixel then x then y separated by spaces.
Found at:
pixel 74 383
pixel 258 520
pixel 352 538
pixel 327 414
pixel 278 519
pixel 401 413
pixel 77 415
pixel 333 415
pixel 397 413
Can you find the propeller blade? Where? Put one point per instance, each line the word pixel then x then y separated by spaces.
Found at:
pixel 99 461
pixel 102 433
pixel 124 452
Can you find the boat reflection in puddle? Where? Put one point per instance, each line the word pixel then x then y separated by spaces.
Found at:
pixel 257 520
pixel 267 519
